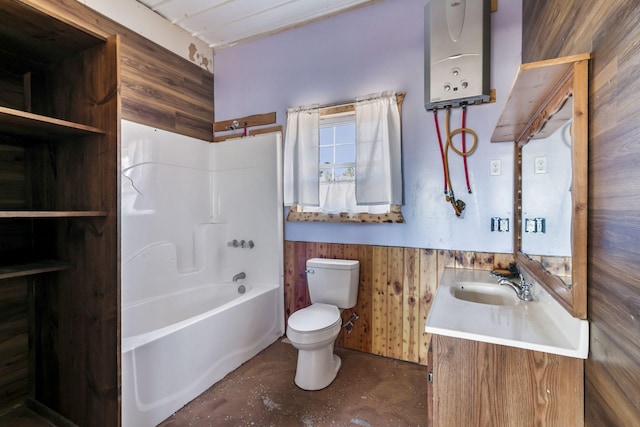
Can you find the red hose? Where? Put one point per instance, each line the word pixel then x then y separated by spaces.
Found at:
pixel 444 170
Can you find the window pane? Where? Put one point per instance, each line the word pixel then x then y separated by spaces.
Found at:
pixel 345 133
pixel 343 174
pixel 346 153
pixel 326 136
pixel 326 174
pixel 326 155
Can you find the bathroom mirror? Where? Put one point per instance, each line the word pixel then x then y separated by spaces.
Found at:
pixel 546 175
pixel 549 101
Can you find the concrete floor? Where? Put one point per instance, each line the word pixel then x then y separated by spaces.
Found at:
pixel 369 391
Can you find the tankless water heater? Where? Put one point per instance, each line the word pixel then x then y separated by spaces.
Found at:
pixel 457 45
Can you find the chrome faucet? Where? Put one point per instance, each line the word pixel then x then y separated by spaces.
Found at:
pixel 239 276
pixel 523 290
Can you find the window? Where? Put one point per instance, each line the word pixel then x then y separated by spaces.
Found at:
pixel 327 169
pixel 337 149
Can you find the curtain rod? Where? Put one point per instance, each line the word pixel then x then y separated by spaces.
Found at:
pixel 346 104
pixel 399 97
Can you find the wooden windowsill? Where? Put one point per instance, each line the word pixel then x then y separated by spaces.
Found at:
pixel 393 217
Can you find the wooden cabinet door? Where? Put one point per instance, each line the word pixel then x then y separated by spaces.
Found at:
pixel 481 384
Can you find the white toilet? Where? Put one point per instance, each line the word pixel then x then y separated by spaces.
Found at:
pixel 333 286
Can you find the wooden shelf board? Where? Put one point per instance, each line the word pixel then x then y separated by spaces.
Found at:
pixel 51 214
pixel 533 84
pixel 21 123
pixel 30 268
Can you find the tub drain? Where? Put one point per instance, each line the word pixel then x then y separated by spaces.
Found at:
pixel 242 289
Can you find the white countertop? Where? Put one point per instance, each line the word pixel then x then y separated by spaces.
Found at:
pixel 540 325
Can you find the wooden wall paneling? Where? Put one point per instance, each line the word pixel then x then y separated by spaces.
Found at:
pixel 446 259
pixel 163 89
pixel 395 276
pixel 411 330
pixel 180 101
pixel 609 30
pixel 289 279
pixel 483 261
pixel 336 251
pixel 14 346
pixel 502 261
pixel 380 297
pixel 363 325
pixel 397 286
pixel 428 282
pixel 465 259
pixel 302 299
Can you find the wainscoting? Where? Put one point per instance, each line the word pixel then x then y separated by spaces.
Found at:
pixel 397 286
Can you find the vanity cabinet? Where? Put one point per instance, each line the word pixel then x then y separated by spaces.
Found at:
pixel 59 115
pixel 481 384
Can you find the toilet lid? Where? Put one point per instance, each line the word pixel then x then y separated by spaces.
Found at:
pixel 315 317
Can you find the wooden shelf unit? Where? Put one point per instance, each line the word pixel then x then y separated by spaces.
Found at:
pixel 59 232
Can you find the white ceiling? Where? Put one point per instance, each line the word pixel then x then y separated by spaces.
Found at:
pixel 223 23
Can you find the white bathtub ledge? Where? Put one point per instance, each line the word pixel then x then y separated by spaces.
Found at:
pixel 540 325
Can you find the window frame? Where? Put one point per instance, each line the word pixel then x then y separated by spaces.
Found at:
pixel 296 213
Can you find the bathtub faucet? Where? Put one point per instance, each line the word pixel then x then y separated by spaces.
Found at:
pixel 239 276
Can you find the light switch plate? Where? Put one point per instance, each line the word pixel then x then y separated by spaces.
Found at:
pixel 540 164
pixel 496 167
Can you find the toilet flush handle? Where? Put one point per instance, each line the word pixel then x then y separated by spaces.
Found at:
pixel 309 271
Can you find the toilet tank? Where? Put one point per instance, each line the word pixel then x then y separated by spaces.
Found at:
pixel 333 281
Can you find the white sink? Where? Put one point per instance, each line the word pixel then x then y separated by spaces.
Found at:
pixel 470 304
pixel 484 293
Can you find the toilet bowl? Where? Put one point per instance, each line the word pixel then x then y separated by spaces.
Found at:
pixel 333 284
pixel 313 330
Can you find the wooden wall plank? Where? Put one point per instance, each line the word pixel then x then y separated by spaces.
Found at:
pixel 289 279
pixel 428 282
pixel 301 256
pixel 365 299
pixel 380 298
pixel 411 330
pixel 395 276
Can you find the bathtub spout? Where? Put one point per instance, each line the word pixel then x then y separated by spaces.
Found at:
pixel 239 276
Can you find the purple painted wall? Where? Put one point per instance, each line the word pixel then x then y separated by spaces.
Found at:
pixel 367 50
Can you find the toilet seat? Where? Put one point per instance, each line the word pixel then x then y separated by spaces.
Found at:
pixel 314 318
pixel 316 324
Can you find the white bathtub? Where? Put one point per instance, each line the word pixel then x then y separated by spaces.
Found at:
pixel 176 346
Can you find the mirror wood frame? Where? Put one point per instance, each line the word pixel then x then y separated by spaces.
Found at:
pixel 539 92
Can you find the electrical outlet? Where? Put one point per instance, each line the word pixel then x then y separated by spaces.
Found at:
pixel 499 224
pixel 540 164
pixel 496 167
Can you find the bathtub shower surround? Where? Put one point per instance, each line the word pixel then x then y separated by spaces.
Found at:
pixel 185 322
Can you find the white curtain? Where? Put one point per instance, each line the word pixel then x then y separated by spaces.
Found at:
pixel 378 152
pixel 301 157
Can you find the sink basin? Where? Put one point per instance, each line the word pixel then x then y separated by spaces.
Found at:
pixel 492 294
pixel 469 304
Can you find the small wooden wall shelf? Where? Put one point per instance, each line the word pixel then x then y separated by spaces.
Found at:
pixel 31 268
pixel 535 86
